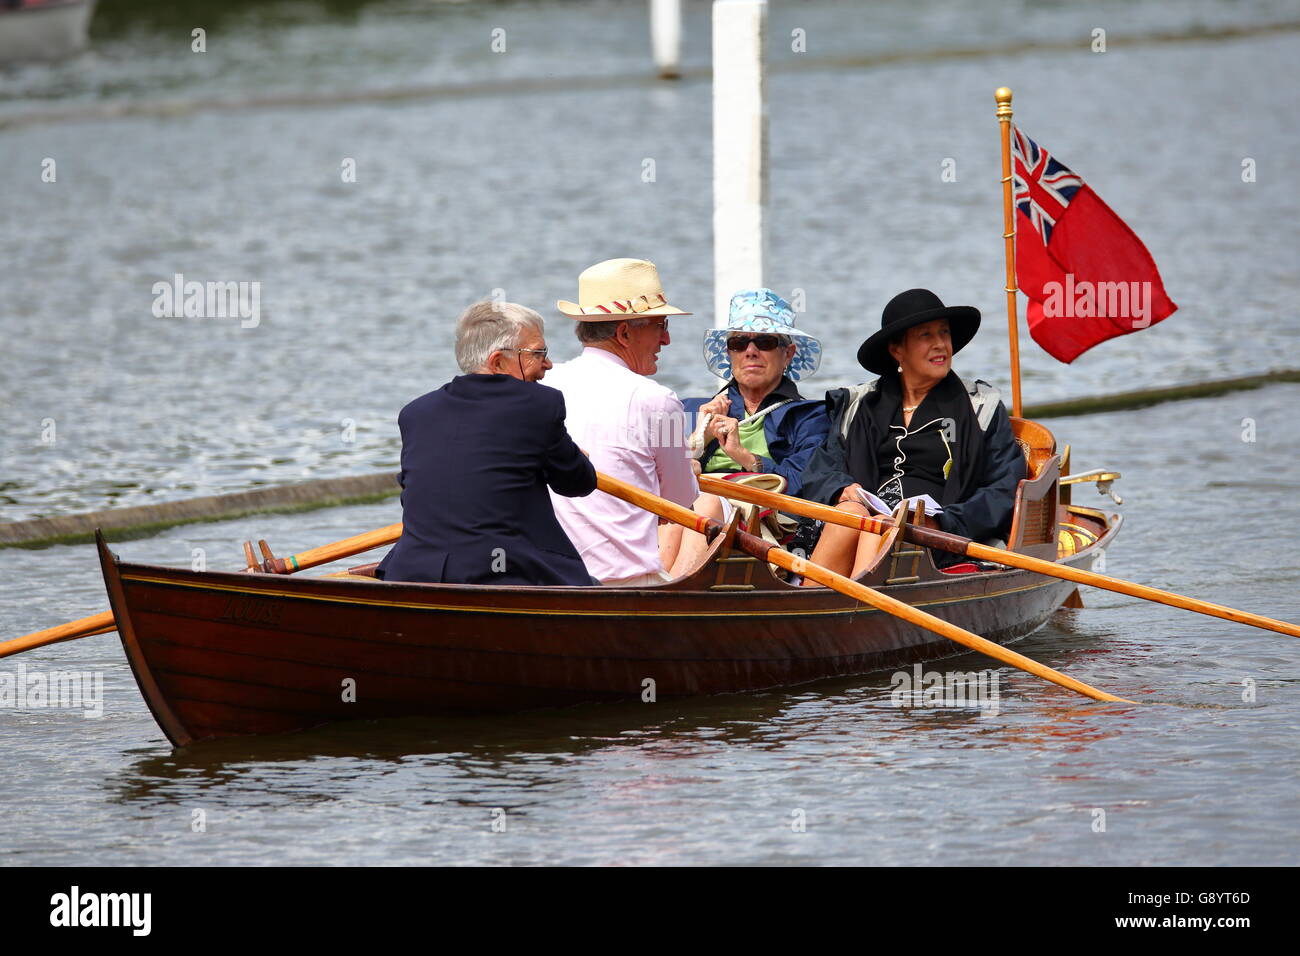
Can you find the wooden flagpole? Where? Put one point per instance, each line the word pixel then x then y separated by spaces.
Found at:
pixel 1003 96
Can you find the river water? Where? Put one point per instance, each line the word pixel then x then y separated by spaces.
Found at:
pixel 479 170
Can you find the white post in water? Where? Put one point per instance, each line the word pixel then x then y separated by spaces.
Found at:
pixel 739 150
pixel 666 36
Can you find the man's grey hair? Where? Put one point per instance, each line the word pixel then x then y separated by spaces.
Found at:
pixel 589 333
pixel 487 326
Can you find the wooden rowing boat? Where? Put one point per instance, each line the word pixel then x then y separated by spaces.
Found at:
pixel 221 654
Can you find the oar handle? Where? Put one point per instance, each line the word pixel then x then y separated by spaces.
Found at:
pixel 339 549
pixel 926 537
pixel 799 506
pixel 661 506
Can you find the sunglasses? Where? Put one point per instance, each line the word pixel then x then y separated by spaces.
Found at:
pixel 764 343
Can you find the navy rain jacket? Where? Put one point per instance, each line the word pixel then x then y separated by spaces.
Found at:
pixel 793 431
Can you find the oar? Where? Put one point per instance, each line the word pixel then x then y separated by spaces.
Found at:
pixel 931 538
pixel 83 627
pixel 339 549
pixel 765 551
pixel 101 623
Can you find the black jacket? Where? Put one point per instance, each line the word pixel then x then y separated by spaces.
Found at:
pixel 983 514
pixel 477 457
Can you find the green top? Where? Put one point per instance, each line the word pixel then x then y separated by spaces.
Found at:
pixel 752 439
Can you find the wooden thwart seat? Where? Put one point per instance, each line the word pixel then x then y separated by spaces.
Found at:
pixel 1037 442
pixel 1033 529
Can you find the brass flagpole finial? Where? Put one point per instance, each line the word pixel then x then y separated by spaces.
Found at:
pixel 1003 97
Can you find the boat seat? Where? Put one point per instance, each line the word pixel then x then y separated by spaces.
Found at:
pixel 362 572
pixel 1033 528
pixel 1036 441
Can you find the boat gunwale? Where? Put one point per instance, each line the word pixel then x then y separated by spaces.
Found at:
pixel 322 588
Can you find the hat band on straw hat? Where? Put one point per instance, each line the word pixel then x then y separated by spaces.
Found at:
pixel 642 303
pixel 619 288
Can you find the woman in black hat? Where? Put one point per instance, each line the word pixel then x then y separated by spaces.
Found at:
pixel 916 430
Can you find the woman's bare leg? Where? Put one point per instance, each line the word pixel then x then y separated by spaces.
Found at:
pixel 694 544
pixel 670 543
pixel 868 548
pixel 838 548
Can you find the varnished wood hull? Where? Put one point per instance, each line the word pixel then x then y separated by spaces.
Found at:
pixel 223 654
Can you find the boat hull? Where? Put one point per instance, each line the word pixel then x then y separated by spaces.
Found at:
pixel 222 654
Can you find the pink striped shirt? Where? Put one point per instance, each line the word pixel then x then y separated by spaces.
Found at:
pixel 632 427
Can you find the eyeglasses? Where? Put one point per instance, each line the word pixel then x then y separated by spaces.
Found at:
pixel 764 343
pixel 661 324
pixel 541 352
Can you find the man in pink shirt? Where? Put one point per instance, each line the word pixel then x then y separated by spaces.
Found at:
pixel 632 427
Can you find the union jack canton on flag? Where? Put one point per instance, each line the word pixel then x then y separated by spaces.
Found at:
pixel 1043 186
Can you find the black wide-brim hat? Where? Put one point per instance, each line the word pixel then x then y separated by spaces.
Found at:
pixel 915 307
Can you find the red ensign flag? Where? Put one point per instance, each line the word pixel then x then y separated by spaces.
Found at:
pixel 1087 276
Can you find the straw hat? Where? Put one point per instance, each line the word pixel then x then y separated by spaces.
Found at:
pixel 761 310
pixel 616 288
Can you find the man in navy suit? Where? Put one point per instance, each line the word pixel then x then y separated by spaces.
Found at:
pixel 477 457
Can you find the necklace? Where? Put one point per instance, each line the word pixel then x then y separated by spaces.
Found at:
pixel 910 408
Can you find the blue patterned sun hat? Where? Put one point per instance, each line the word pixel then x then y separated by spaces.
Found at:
pixel 761 310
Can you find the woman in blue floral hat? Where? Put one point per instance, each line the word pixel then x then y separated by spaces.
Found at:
pixel 759 422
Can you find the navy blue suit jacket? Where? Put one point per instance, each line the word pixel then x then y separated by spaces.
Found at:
pixel 477 457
